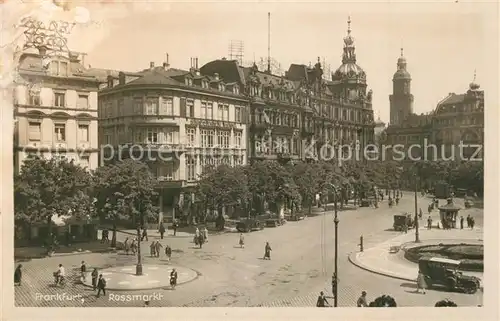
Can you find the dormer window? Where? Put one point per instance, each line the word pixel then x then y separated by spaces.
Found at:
pixel 222 87
pixel 236 90
pixel 204 84
pixel 188 81
pixel 59 68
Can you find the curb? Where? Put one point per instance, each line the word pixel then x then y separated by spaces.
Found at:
pixel 198 274
pixel 353 259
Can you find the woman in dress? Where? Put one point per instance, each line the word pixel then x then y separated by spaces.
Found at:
pixel 421 284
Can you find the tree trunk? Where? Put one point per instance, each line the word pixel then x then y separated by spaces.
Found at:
pixel 50 240
pixel 113 237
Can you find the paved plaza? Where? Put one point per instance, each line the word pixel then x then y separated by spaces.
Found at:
pixel 222 274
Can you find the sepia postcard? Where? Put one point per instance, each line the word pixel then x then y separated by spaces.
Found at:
pixel 249 157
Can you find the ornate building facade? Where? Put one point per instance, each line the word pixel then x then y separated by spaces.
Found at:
pixel 182 120
pixel 55 106
pixel 457 119
pixel 293 116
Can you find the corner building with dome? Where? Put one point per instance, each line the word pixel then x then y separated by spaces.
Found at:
pixel 457 119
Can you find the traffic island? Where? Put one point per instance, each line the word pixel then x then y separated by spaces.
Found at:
pixel 123 278
pixel 388 258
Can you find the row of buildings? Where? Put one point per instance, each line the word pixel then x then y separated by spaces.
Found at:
pixel 187 120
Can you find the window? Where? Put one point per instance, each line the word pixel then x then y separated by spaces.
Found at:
pixel 59 99
pixel 138 136
pixel 223 138
pixel 54 67
pixel 189 108
pixel 220 112
pixel 83 133
pixel 188 81
pixel 237 139
pixel 83 102
pixel 207 138
pixel 152 136
pixel 210 110
pixel 152 106
pixel 84 160
pixel 34 133
pixel 138 106
pixel 169 137
pixel 236 90
pixel 204 84
pixel 34 98
pixel 191 168
pixel 237 114
pixel 63 71
pixel 191 136
pixel 226 112
pixel 60 132
pixel 203 110
pixel 167 106
pixel 121 107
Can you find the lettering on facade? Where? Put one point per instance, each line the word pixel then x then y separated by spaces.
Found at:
pixel 212 123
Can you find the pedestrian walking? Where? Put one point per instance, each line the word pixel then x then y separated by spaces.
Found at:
pixel 420 213
pixel 242 241
pixel 174 226
pixel 362 300
pixel 421 284
pixel 197 233
pixel 405 228
pixel 158 247
pixel 461 222
pixel 429 223
pixel 322 302
pixel 133 246
pixel 101 286
pixel 18 274
pixel 126 246
pixel 94 275
pixel 472 223
pixel 468 221
pixel 173 279
pixel 152 249
pixel 83 271
pixel 161 230
pixel 205 234
pixel 267 251
pixel 144 235
pixel 168 252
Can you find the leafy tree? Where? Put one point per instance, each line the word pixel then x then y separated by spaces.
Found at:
pixel 223 186
pixel 44 188
pixel 306 176
pixel 383 301
pixel 125 190
pixel 270 183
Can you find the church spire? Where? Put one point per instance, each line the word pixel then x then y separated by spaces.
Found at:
pixel 349 55
pixel 402 62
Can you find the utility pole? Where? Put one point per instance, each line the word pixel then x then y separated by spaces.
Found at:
pixel 336 274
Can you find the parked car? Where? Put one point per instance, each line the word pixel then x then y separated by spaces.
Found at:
pixel 445 272
pixel 402 219
pixel 248 225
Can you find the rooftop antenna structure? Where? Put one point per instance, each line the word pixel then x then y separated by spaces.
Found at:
pixel 326 70
pixel 269 42
pixel 236 49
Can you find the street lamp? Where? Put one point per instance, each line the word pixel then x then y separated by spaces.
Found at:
pixel 417 238
pixel 336 221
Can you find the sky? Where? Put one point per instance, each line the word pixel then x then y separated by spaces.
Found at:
pixel 444 44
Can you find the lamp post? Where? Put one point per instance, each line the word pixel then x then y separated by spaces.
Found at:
pixel 336 274
pixel 417 237
pixel 138 267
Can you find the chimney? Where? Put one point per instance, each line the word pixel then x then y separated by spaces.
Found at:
pixel 196 63
pixel 166 65
pixel 152 64
pixel 216 75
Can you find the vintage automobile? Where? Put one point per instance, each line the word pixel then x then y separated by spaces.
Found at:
pixel 248 225
pixel 402 219
pixel 274 221
pixel 445 272
pixel 468 203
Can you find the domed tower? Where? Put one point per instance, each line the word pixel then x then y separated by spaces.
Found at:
pixel 401 100
pixel 349 79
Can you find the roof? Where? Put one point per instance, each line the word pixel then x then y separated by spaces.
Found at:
pixel 102 74
pixel 153 77
pixel 444 260
pixel 229 70
pixel 449 207
pixel 453 99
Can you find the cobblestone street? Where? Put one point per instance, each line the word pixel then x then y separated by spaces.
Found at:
pixel 301 266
